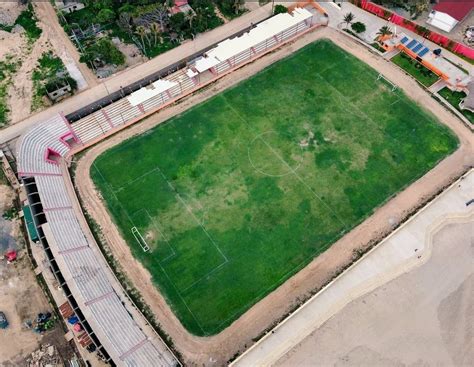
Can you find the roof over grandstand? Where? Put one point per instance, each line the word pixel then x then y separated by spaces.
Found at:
pixel 262 31
pixel 456 9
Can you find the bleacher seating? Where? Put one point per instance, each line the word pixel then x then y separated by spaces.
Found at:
pixel 88 277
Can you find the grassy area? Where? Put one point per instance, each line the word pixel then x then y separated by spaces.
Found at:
pixel 27 19
pixel 468 59
pixel 8 67
pixel 454 98
pixel 425 76
pixel 242 191
pixel 49 73
pixel 228 10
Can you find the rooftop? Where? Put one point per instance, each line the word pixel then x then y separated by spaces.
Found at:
pixel 457 9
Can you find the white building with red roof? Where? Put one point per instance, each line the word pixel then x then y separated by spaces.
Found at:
pixel 446 14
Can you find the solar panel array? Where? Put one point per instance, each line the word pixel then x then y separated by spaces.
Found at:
pixel 415 46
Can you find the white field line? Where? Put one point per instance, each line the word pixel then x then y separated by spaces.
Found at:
pixel 159 264
pixel 361 113
pixel 134 180
pixel 154 222
pixel 192 214
pixel 287 165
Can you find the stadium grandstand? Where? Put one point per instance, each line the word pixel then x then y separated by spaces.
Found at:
pixel 114 327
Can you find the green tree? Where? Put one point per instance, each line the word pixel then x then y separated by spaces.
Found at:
pixel 156 32
pixel 105 16
pixel 280 9
pixel 179 24
pixel 358 27
pixel 105 51
pixel 348 19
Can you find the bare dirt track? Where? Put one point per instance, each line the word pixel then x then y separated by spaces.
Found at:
pixel 216 350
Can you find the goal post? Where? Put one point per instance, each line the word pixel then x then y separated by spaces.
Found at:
pixel 394 87
pixel 139 238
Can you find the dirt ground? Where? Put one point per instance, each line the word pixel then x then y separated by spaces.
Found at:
pixel 21 298
pixel 218 349
pixel 52 38
pixel 131 52
pixel 423 318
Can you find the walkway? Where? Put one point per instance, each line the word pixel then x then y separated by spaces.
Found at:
pixel 406 249
pixel 128 76
pixel 374 23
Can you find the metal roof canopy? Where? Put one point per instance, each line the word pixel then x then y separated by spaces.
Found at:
pixel 145 93
pixel 262 31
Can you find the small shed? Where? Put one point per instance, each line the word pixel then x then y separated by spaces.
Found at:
pixel 69 6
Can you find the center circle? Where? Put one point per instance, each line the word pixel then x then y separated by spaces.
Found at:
pixel 274 154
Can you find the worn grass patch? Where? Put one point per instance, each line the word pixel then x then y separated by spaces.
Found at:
pixel 242 191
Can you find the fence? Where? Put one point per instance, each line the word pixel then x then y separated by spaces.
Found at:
pixel 437 38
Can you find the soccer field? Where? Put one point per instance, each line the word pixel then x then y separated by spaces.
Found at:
pixel 237 194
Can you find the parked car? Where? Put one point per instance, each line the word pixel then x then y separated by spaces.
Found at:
pixel 3 321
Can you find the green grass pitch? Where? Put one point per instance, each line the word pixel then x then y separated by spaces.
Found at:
pixel 240 192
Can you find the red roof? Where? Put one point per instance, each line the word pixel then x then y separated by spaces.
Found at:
pixel 180 2
pixel 457 9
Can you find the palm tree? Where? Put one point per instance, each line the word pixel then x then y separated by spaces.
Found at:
pixel 141 31
pixel 348 18
pixel 155 30
pixel 384 31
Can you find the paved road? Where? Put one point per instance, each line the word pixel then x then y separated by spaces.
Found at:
pixel 407 248
pixel 130 75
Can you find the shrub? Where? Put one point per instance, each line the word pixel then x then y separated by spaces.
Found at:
pixel 280 9
pixel 105 51
pixel 358 27
pixel 105 16
pixel 27 20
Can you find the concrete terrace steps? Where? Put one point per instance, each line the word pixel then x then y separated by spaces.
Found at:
pixel 84 271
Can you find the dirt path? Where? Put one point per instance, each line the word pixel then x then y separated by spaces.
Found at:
pixel 20 93
pixel 426 312
pixel 220 15
pixel 132 74
pixel 60 41
pixel 216 350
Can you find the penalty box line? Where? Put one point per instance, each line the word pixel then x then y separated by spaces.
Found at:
pixel 286 275
pixel 193 215
pixel 159 264
pixel 356 108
